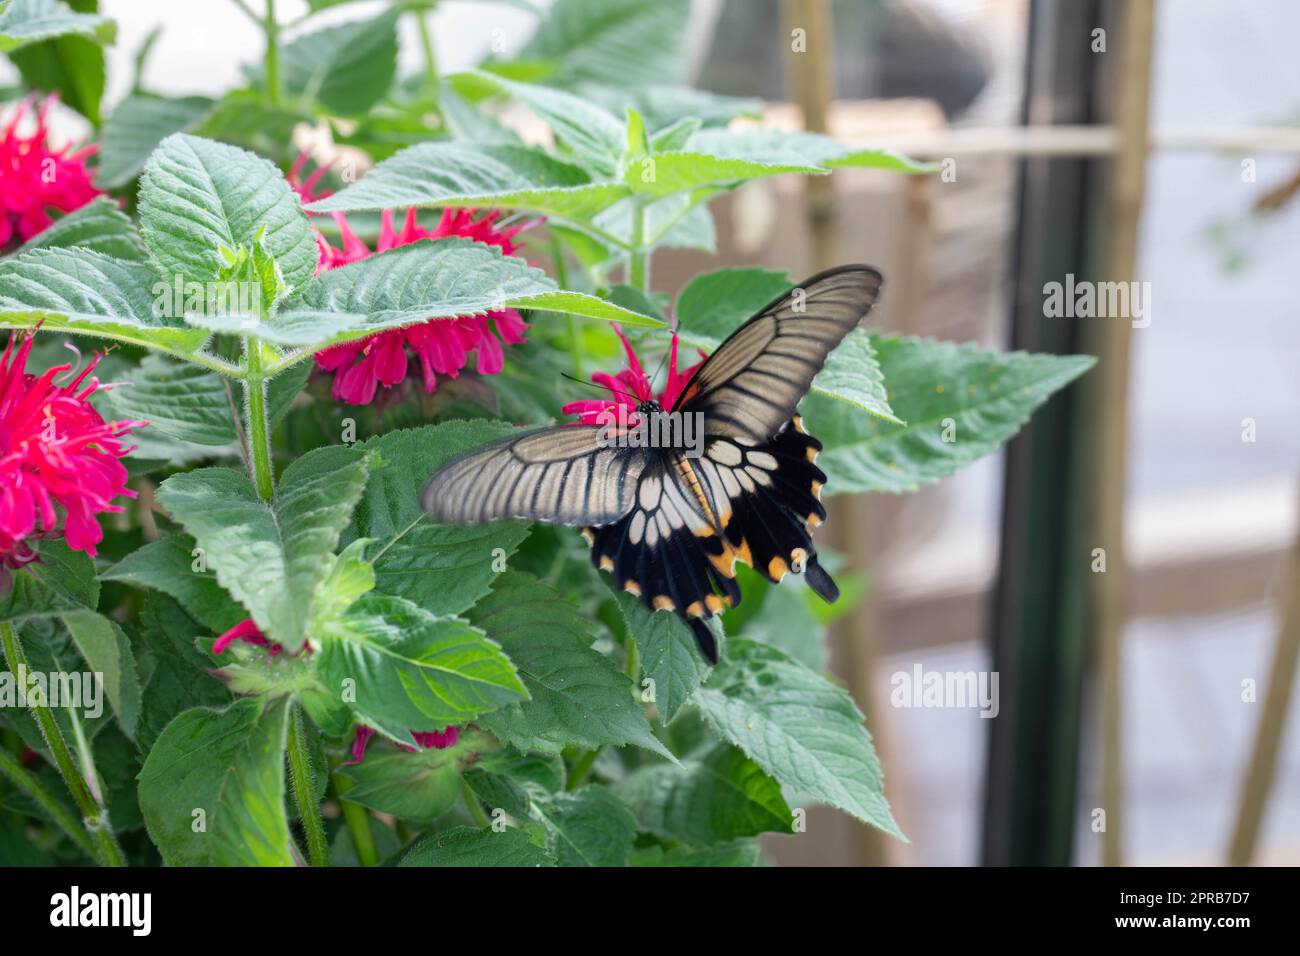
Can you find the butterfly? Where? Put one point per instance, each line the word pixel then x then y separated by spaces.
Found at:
pixel 667 524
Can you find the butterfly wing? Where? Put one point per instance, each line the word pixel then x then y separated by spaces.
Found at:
pixel 564 474
pixel 750 386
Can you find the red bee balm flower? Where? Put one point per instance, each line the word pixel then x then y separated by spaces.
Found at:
pixel 55 449
pixel 630 388
pixel 442 346
pixel 35 178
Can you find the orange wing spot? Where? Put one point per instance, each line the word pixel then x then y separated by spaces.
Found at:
pixel 811 453
pixel 798 425
pixel 713 603
pixel 743 553
pixel 663 603
pixel 695 609
pixel 817 490
pixel 777 569
pixel 606 563
pixel 591 538
pixel 813 520
pixel 631 587
pixel 798 560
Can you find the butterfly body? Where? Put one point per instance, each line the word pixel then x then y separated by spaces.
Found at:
pixel 670 525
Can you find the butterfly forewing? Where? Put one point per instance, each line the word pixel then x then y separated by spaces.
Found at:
pixel 750 386
pixel 563 475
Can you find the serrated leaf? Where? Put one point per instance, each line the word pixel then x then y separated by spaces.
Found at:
pixel 476 176
pixel 577 696
pixel 715 304
pixel 719 797
pixel 23 22
pixel 799 727
pixel 198 197
pixel 78 290
pixel 229 765
pixel 413 671
pixel 669 655
pixel 417 786
pixel 417 283
pixel 167 565
pixel 99 225
pixel 135 128
pixel 271 557
pixel 986 396
pixel 591 136
pixel 624 42
pixel 740 853
pixel 62 580
pixel 465 846
pixel 107 652
pixel 443 568
pixel 591 827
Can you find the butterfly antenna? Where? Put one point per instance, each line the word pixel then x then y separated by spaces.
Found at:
pixel 583 381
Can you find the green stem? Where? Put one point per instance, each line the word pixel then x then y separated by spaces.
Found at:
pixel 430 57
pixel 13 769
pixel 357 819
pixel 259 432
pixel 473 806
pixel 632 666
pixel 93 815
pixel 638 252
pixel 582 768
pixel 300 773
pixel 274 89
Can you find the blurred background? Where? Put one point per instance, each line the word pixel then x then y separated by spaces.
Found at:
pixel 1157 696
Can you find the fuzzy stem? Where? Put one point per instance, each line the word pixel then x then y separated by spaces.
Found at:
pixel 93 815
pixel 581 768
pixel 473 806
pixel 12 768
pixel 259 432
pixel 300 772
pixel 271 61
pixel 638 253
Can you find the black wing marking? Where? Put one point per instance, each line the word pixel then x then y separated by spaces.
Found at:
pixel 563 475
pixel 750 386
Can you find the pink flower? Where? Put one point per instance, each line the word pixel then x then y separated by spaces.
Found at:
pixel 443 345
pixel 35 178
pixel 630 388
pixel 245 631
pixel 56 454
pixel 429 740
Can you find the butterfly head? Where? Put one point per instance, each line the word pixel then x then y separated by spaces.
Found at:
pixel 649 407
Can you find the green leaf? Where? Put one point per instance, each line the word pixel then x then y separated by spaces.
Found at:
pixel 411 786
pixel 107 651
pixel 168 565
pixel 627 43
pixel 413 671
pixel 72 66
pixel 979 399
pixel 346 68
pixel 465 846
pixel 799 727
pixel 223 771
pixel 271 557
pixel 593 137
pixel 775 147
pixel 717 798
pixel 715 304
pixel 443 568
pixel 62 580
pixel 135 128
pixel 78 290
pixel 577 696
pixel 476 176
pixel 740 853
pixel 198 197
pixel 99 226
pixel 669 656
pixel 591 827
pixel 419 282
pixel 673 113
pixel 23 22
